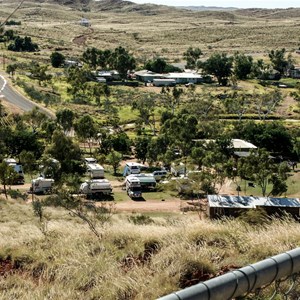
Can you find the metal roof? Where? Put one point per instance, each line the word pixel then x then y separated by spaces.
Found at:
pixel 183 75
pixel 250 201
pixel 236 143
pixel 241 144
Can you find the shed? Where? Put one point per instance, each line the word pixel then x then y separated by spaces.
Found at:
pixel 233 206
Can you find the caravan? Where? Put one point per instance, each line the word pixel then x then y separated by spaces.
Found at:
pixel 95 188
pixel 41 185
pixel 17 168
pixel 95 171
pixel 133 168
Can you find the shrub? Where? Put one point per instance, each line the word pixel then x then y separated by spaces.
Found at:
pixel 16 194
pixel 140 219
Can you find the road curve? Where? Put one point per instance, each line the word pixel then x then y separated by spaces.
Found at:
pixel 15 98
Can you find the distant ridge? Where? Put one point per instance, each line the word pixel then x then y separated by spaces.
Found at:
pixel 203 8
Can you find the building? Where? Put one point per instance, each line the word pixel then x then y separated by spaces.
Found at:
pixel 233 206
pixel 147 76
pixel 240 147
pixel 180 77
pixel 185 77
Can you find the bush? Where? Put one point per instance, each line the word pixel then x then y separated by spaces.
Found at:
pixel 140 219
pixel 16 194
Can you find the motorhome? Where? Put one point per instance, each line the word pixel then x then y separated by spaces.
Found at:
pixel 95 188
pixel 18 169
pixel 95 171
pixel 41 185
pixel 133 187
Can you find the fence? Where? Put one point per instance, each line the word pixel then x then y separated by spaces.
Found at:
pixel 250 279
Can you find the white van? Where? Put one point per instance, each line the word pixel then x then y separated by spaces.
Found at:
pixel 159 175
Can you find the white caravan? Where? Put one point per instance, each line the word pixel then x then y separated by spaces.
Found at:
pixel 95 188
pixel 95 171
pixel 42 185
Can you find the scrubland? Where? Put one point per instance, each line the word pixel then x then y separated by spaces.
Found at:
pixel 133 259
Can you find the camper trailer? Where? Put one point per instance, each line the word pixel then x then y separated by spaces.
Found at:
pixel 18 169
pixel 42 185
pixel 90 160
pixel 95 188
pixel 133 187
pixel 147 181
pixel 95 171
pixel 133 168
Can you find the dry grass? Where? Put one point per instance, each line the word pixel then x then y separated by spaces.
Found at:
pixel 166 32
pixel 131 261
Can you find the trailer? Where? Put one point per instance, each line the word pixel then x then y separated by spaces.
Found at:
pixel 133 168
pixel 95 188
pixel 41 185
pixel 90 160
pixel 133 187
pixel 147 181
pixel 20 179
pixel 95 171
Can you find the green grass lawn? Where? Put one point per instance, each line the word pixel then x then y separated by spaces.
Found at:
pixel 292 182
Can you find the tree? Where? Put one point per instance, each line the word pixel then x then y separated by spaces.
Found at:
pixel 266 103
pixel 158 65
pixel 21 139
pixel 66 152
pixel 65 118
pixel 192 57
pixel 35 118
pixel 7 176
pixel 122 61
pixel 23 44
pixel 86 129
pixel 114 159
pixel 273 136
pixel 28 161
pixel 278 60
pixel 120 142
pixel 242 66
pixel 90 56
pixel 219 65
pixel 260 168
pixel 57 59
pixel 237 103
pixel 141 147
pixel 40 73
pixel 146 105
pixel 11 69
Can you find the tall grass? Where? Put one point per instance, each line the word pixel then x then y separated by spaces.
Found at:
pixel 131 261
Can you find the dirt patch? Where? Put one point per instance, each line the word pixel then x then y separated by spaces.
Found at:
pixel 151 206
pixel 80 40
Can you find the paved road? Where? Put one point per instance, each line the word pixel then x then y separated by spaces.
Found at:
pixel 17 99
